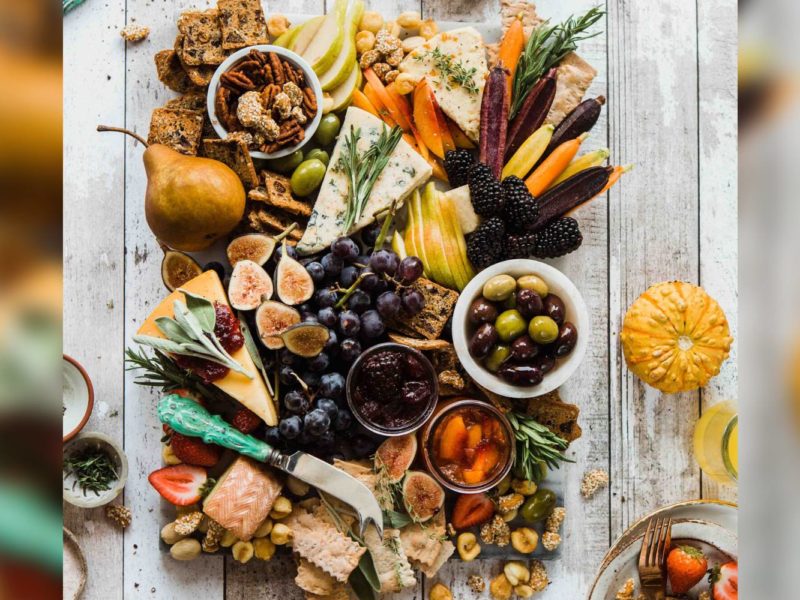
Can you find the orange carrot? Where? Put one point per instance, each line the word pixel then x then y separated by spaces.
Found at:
pixel 361 101
pixel 380 90
pixel 618 171
pixel 438 169
pixel 511 49
pixel 383 112
pixel 554 165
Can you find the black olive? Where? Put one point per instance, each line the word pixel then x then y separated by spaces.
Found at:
pixel 482 311
pixel 523 349
pixel 566 340
pixel 544 362
pixel 554 308
pixel 529 304
pixel 521 374
pixel 482 340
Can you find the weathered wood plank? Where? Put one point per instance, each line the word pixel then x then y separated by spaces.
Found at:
pixel 93 252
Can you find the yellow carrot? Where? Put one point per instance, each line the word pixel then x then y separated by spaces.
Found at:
pixel 531 150
pixel 554 165
pixel 510 50
pixel 618 171
pixel 595 158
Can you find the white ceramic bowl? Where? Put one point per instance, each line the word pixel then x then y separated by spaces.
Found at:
pixel 576 313
pixel 76 497
pixel 77 397
pixel 298 61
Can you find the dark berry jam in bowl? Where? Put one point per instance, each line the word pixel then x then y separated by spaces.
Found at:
pixel 392 389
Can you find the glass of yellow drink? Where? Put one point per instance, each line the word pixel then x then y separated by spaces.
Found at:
pixel 716 442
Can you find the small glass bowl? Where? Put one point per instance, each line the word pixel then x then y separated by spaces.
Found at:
pixel 355 371
pixel 426 438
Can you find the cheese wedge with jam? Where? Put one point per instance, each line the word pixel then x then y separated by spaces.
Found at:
pixel 405 172
pixel 253 392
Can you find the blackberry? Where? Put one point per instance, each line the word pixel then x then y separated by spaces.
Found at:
pixel 558 238
pixel 485 244
pixel 520 246
pixel 520 209
pixel 485 191
pixel 456 165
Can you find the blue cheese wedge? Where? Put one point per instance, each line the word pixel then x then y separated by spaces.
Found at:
pixel 405 172
pixel 454 63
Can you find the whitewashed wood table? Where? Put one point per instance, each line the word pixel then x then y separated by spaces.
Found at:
pixel 669 73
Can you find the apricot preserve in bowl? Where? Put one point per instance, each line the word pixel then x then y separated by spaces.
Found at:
pixel 468 446
pixel 392 389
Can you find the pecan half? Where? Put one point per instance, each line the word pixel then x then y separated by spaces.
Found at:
pixel 278 74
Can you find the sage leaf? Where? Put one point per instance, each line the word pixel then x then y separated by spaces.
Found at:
pixel 360 586
pixel 172 330
pixel 367 567
pixel 202 309
pixel 396 519
pixel 158 343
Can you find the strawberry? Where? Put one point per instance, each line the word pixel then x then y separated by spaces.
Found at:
pixel 686 566
pixel 725 581
pixel 181 485
pixel 194 451
pixel 471 510
pixel 245 420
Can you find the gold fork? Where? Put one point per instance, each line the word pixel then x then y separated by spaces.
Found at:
pixel 653 558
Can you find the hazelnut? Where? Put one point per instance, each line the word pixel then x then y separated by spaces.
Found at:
pixel 282 508
pixel 242 551
pixel 264 529
pixel 371 21
pixel 169 535
pixel 263 548
pixel 404 84
pixel 409 20
pixel 365 41
pixel 280 534
pixel 441 592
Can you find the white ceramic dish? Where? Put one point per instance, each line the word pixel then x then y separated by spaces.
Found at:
pixel 239 55
pixel 716 542
pixel 76 497
pixel 77 397
pixel 576 313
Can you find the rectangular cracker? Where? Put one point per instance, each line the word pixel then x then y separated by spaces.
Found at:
pixel 314 580
pixel 235 154
pixel 171 72
pixel 178 128
pixel 558 416
pixel 243 23
pixel 575 75
pixel 429 323
pixel 423 543
pixel 259 218
pixel 202 38
pixel 446 552
pixel 277 192
pixel 191 100
pixel 391 563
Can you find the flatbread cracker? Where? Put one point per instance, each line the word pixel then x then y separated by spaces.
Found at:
pixel 423 543
pixel 394 570
pixel 363 471
pixel 446 552
pixel 192 100
pixel 243 23
pixel 558 416
pixel 266 219
pixel 202 38
pixel 429 323
pixel 178 128
pixel 171 72
pixel 314 580
pixel 277 192
pixel 235 154
pixel 418 344
pixel 575 75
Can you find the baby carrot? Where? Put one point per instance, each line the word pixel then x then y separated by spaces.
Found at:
pixel 553 165
pixel 511 49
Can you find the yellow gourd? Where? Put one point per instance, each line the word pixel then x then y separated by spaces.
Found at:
pixel 675 337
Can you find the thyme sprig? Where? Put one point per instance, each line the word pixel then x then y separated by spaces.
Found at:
pixel 547 46
pixel 93 469
pixel 363 169
pixel 453 71
pixel 535 444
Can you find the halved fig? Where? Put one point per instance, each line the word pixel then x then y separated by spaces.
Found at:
pixel 395 455
pixel 306 339
pixel 272 319
pixel 250 285
pixel 257 247
pixel 293 282
pixel 422 495
pixel 178 268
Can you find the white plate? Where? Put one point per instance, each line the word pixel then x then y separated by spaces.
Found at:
pixel 77 397
pixel 716 542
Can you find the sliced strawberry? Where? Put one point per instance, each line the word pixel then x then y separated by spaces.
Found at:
pixel 686 566
pixel 180 484
pixel 194 451
pixel 245 420
pixel 725 582
pixel 471 510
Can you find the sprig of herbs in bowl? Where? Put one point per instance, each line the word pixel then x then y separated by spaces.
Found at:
pixel 93 469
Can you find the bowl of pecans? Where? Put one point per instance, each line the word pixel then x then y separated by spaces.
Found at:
pixel 269 97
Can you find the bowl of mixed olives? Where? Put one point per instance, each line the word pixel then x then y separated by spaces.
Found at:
pixel 520 328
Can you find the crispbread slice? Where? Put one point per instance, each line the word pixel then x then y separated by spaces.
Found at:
pixel 265 219
pixel 575 75
pixel 202 38
pixel 418 344
pixel 277 192
pixel 429 323
pixel 391 563
pixel 199 75
pixel 171 73
pixel 558 416
pixel 446 552
pixel 235 154
pixel 192 100
pixel 178 128
pixel 243 23
pixel 423 542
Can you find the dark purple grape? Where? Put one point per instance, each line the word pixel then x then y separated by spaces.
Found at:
pixel 350 349
pixel 388 304
pixel 286 357
pixel 344 420
pixel 273 436
pixel 416 393
pixel 309 317
pixel 370 235
pixel 290 427
pixel 370 281
pixel 306 439
pixel 409 270
pixel 327 316
pixel 326 297
pixel 372 325
pixel 331 385
pixel 329 406
pixel 296 402
pixel 348 276
pixel 413 301
pixel 332 265
pixel 380 287
pixel 316 270
pixel 317 422
pixel 325 442
pixel 384 261
pixel 349 324
pixel 291 252
pixel 219 268
pixel 363 446
pixel 319 363
pixel 332 345
pixel 359 302
pixel 310 378
pixel 345 248
pixel 286 375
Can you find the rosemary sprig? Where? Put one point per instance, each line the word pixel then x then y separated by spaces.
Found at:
pixel 453 71
pixel 535 444
pixel 162 372
pixel 547 46
pixel 93 469
pixel 363 169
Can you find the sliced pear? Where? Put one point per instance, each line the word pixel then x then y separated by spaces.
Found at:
pixel 456 245
pixel 347 59
pixel 398 245
pixel 415 234
pixel 432 238
pixel 449 245
pixel 305 34
pixel 344 93
pixel 286 39
pixel 327 42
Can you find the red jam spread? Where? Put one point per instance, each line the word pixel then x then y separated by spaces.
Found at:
pixel 229 334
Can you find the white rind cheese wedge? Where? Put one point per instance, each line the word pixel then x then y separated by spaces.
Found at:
pixel 462 200
pixel 250 392
pixel 462 49
pixel 405 172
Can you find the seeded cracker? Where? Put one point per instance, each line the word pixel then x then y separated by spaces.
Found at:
pixel 394 570
pixel 202 38
pixel 233 153
pixel 558 416
pixel 177 128
pixel 171 73
pixel 448 549
pixel 429 323
pixel 243 23
pixel 192 100
pixel 423 542
pixel 264 219
pixel 276 192
pixel 314 580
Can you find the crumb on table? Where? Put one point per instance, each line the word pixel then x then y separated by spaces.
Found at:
pixel 134 33
pixel 593 481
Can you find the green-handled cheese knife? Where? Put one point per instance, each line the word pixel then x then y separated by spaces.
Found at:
pixel 187 417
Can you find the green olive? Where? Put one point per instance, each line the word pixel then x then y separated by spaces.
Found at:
pixel 328 130
pixel 504 485
pixel 319 154
pixel 539 506
pixel 286 164
pixel 535 283
pixel 511 301
pixel 543 330
pixel 307 177
pixel 497 356
pixel 540 472
pixel 510 325
pixel 499 288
